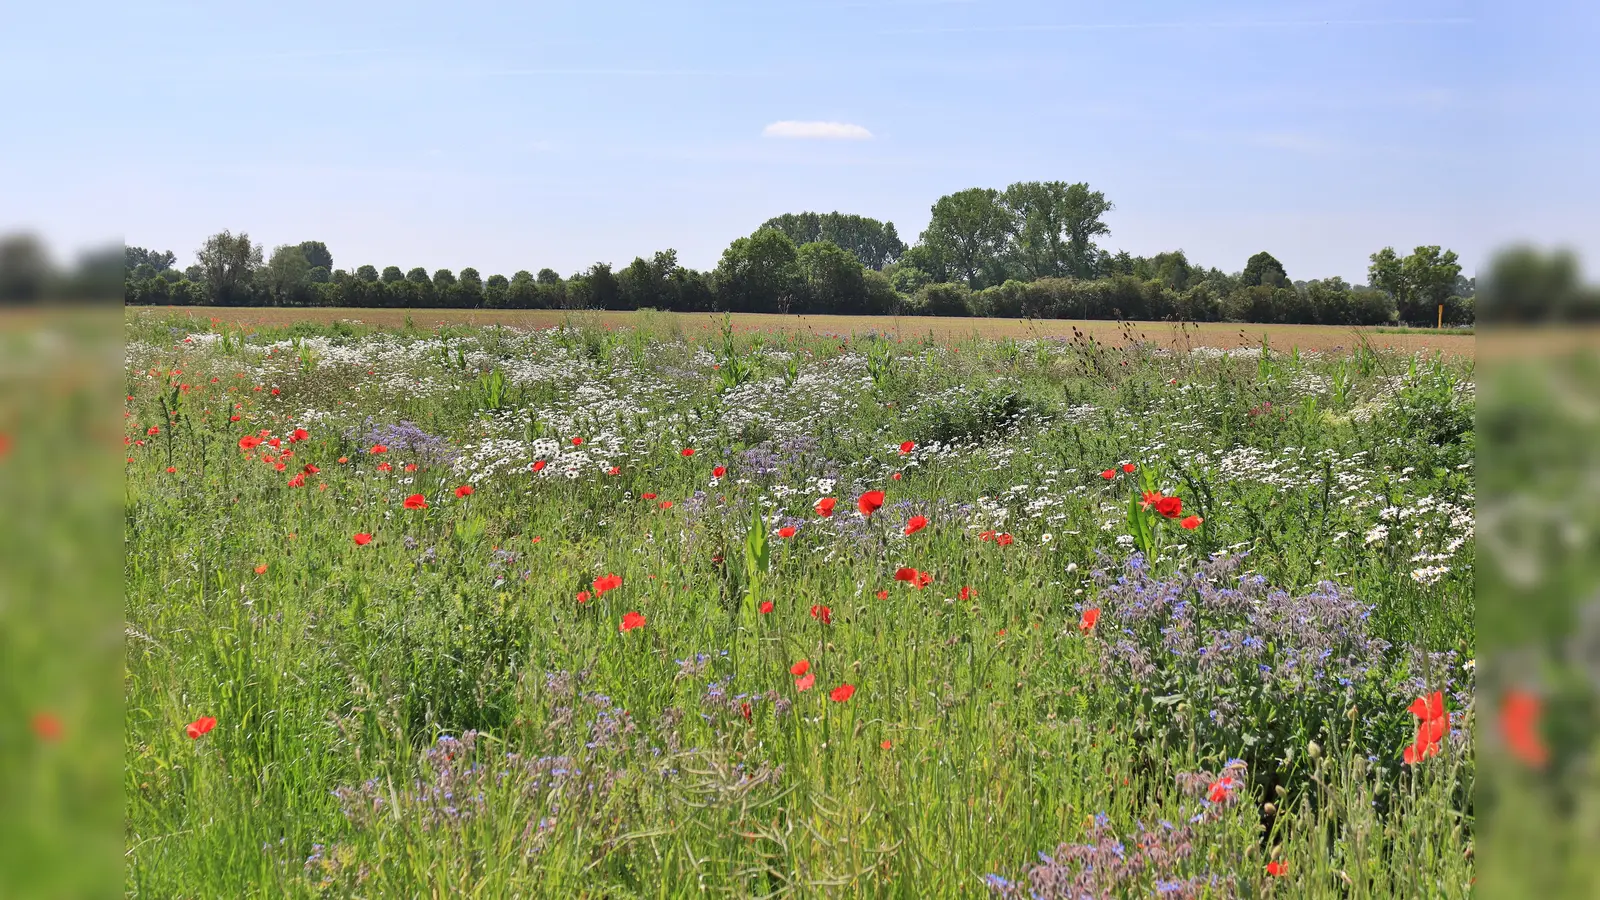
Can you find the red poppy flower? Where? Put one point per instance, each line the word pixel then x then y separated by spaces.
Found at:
pixel 687 451
pixel 261 569
pixel 883 595
pixel 274 443
pixel 719 471
pixel 895 477
pixel 385 467
pixel 1221 790
pixel 630 621
pixel 362 539
pixel 607 582
pixel 583 596
pixel 1130 468
pixel 199 726
pixel 1277 868
pixel 1109 474
pixel 824 613
pixel 985 535
pixel 907 447
pixel 800 668
pixel 1090 617
pixel 577 441
pixel 613 471
pixel 378 448
pixel 842 693
pixel 766 607
pixel 887 744
pixel 1433 723
pixel 1519 725
pixel 1171 507
pixel 744 710
pixel 411 467
pixel 538 465
pixel 905 573
pixel 869 502
pixel 300 434
pixel 416 501
pixel 805 682
pixel 1003 539
pixel 299 480
pixel 916 524
pixel 343 460
pixel 1149 498
pixel 153 430
pixel 172 470
pixel 310 469
pixel 647 496
pixel 966 592
pixel 47 727
pixel 786 532
pixel 825 506
pixel 464 491
pixel 1191 522
pixel 249 442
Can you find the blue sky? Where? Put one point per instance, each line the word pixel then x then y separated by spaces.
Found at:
pixel 507 136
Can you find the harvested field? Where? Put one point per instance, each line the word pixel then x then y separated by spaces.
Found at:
pixel 1225 335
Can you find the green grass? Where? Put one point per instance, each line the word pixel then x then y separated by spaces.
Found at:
pixel 984 729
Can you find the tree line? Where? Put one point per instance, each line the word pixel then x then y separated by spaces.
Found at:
pixel 1026 251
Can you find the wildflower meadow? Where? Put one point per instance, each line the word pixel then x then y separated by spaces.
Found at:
pixel 640 611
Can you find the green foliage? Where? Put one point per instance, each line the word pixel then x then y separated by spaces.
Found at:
pixel 345 678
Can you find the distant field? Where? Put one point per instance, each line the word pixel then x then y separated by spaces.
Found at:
pixel 1205 334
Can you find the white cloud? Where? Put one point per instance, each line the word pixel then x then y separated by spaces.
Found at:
pixel 828 131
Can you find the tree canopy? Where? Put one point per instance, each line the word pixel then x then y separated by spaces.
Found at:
pixel 1027 250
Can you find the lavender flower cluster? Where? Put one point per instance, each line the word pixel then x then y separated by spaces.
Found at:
pixel 1107 864
pixel 1219 655
pixel 405 437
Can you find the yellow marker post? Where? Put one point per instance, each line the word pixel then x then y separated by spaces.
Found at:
pixel 1441 316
